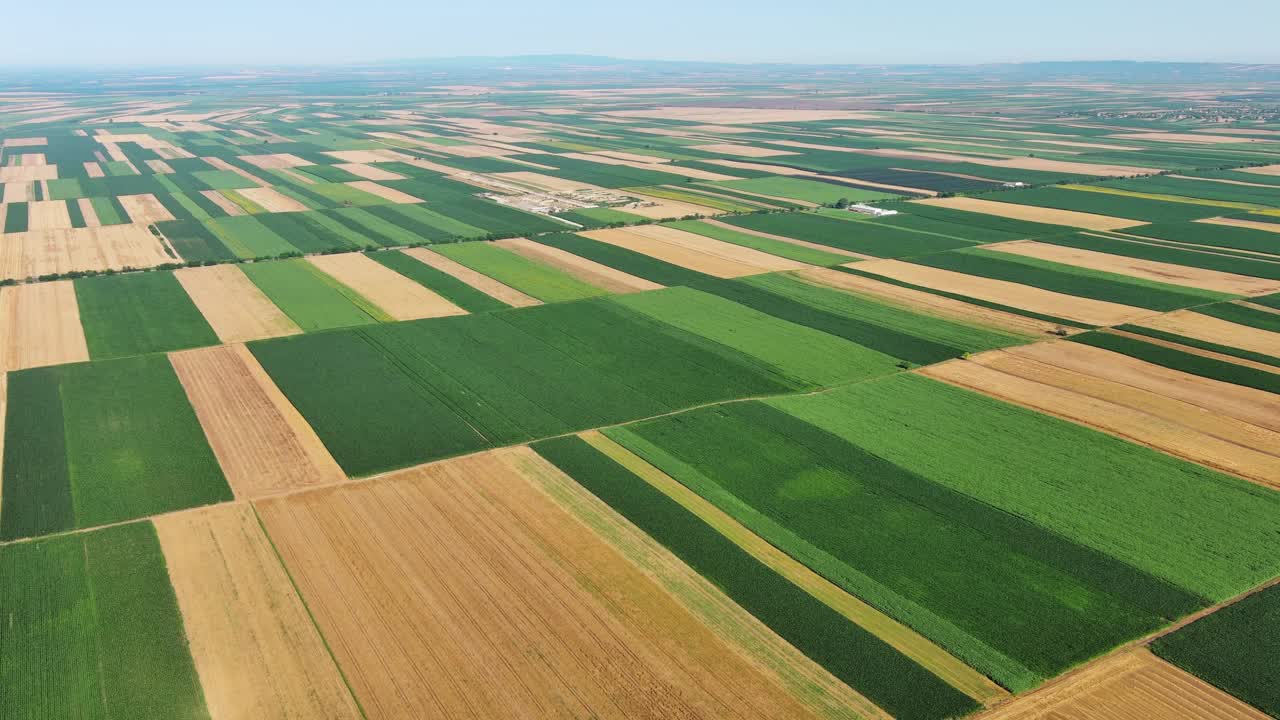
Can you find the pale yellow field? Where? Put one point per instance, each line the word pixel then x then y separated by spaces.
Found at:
pixel 234 307
pixel 1052 216
pixel 43 252
pixel 48 215
pixel 1220 332
pixel 384 192
pixel 40 325
pixel 272 200
pixel 145 209
pixel 400 297
pixel 592 273
pixel 479 281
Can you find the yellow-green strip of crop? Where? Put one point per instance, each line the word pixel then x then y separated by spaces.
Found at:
pixel 902 638
pixel 1167 198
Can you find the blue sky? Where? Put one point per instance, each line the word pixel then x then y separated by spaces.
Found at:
pixel 235 32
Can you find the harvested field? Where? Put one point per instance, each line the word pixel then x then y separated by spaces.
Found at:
pixel 760 167
pixel 464 572
pixel 928 302
pixel 27 173
pixel 1136 267
pixel 384 192
pixel 48 215
pixel 16 192
pixel 397 295
pixel 590 272
pixel 234 307
pixel 160 167
pixel 1220 332
pixel 43 252
pixel 223 202
pixel 788 240
pixel 656 208
pixel 479 281
pixel 275 161
pixel 262 443
pixel 693 251
pixel 361 156
pixel 221 164
pixel 255 649
pixel 1132 685
pixel 1051 216
pixel 369 172
pixel 40 325
pixel 740 116
pixel 1046 302
pixel 24 142
pixel 1173 426
pixel 546 183
pixel 145 209
pixel 272 200
pixel 94 170
pixel 1243 223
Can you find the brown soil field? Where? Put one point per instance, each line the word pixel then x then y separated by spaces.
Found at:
pixel 1145 269
pixel 160 167
pixel 1070 307
pixel 1172 426
pixel 235 308
pixel 44 252
pixel 1221 398
pixel 1052 216
pixel 1220 332
pixel 145 209
pixel 94 170
pixel 928 303
pixel 400 297
pixel 592 273
pixel 223 202
pixel 28 173
pixel 902 638
pixel 747 151
pixel 1132 685
pixel 459 590
pixel 48 215
pixel 479 281
pixel 272 200
pixel 256 651
pixel 16 192
pixel 89 213
pixel 40 325
pixel 275 161
pixel 221 164
pixel 1263 170
pixel 714 257
pixel 369 172
pixel 24 142
pixel 1244 223
pixel 789 241
pixel 384 192
pixel 262 443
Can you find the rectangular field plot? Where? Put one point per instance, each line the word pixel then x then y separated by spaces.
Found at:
pixel 312 299
pixel 1145 508
pixel 394 294
pixel 693 252
pixel 40 325
pixel 440 282
pixel 479 542
pixel 499 378
pixel 96 443
pixel 232 305
pixel 93 630
pixel 542 281
pixel 1235 648
pixel 868 238
pixel 255 649
pixel 971 578
pixel 53 252
pixel 139 313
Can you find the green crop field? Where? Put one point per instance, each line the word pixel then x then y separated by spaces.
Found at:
pixel 312 299
pixel 541 281
pixel 813 191
pixel 628 261
pixel 1225 236
pixel 1236 648
pixel 441 283
pixel 1241 265
pixel 868 237
pixel 1184 361
pixel 799 253
pixel 1146 508
pixel 139 313
pixel 93 630
pixel 1115 205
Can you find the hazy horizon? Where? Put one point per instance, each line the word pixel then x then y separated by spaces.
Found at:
pixel 135 33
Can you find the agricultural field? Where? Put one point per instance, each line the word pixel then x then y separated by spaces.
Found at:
pixel 629 391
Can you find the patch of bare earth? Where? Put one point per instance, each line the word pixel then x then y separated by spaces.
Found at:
pixel 40 325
